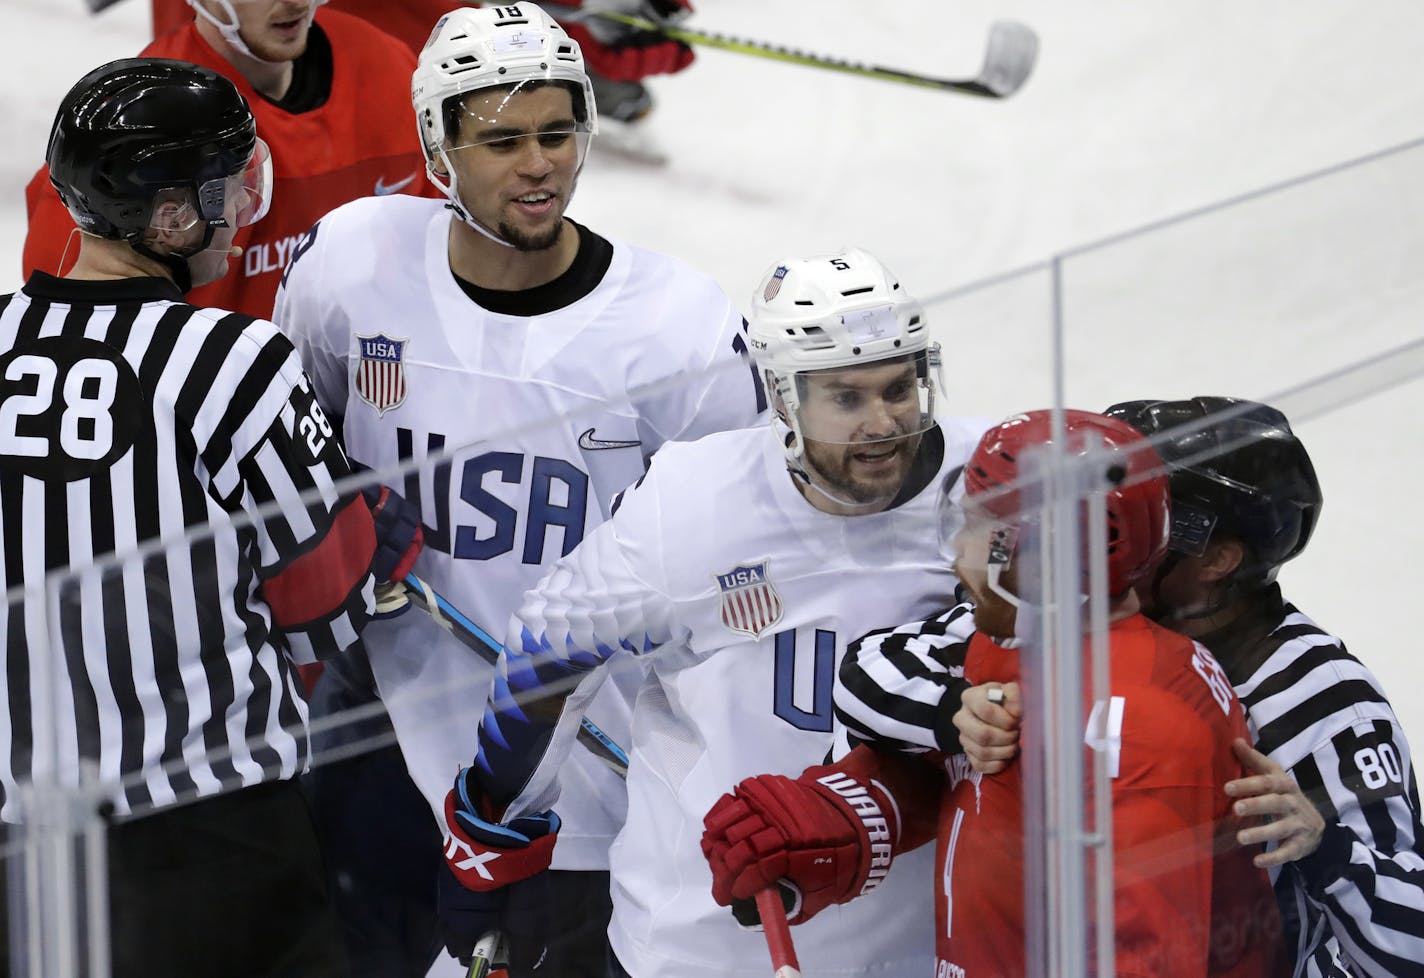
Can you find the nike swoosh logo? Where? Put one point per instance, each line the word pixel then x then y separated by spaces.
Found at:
pixel 589 443
pixel 383 188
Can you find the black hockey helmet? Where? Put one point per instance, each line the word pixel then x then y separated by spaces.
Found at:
pixel 1235 466
pixel 134 128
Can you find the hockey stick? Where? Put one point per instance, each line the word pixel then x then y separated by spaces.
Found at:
pixel 474 637
pixel 482 958
pixel 778 934
pixel 97 5
pixel 453 620
pixel 1008 60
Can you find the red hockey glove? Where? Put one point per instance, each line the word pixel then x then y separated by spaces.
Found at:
pixel 619 52
pixel 827 833
pixel 485 855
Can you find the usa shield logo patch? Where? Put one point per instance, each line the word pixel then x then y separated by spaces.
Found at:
pixel 750 604
pixel 380 372
pixel 773 285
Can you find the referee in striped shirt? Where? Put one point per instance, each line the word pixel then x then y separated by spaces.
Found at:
pixel 128 418
pixel 1245 500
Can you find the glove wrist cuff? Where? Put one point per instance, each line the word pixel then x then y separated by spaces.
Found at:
pixel 866 803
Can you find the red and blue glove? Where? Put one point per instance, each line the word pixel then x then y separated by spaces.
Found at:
pixel 619 52
pixel 493 872
pixel 485 855
pixel 825 838
pixel 399 534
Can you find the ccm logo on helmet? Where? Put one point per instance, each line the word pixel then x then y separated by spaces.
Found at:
pixel 876 828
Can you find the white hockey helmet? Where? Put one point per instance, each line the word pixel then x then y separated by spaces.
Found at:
pixel 833 313
pixel 471 48
pixel 229 25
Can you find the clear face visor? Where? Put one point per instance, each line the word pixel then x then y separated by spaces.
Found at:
pixel 245 195
pixel 506 122
pixel 879 402
pixel 982 544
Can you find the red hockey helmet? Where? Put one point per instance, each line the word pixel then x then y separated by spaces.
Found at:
pixel 1138 506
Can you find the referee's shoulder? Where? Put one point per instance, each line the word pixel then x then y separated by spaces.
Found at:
pixel 247 337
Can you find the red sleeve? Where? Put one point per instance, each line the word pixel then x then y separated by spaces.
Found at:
pixel 321 581
pixel 51 229
pixel 914 783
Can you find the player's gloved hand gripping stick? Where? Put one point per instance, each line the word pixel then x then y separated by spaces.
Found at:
pixel 464 820
pixel 773 913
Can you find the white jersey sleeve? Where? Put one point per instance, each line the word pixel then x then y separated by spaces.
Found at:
pixel 309 322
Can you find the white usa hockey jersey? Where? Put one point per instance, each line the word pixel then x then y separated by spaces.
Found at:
pixel 522 428
pixel 741 599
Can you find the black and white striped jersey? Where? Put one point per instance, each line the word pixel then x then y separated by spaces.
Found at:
pixel 128 418
pixel 1356 905
pixel 892 683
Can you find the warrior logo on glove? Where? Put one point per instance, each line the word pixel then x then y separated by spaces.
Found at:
pixel 877 829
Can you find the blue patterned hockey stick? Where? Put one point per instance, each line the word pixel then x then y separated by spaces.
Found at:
pixel 455 621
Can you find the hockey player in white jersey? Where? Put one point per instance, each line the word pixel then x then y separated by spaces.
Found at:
pixel 526 365
pixel 737 569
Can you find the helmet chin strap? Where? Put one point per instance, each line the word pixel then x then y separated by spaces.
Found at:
pixel 446 182
pixel 804 477
pixel 452 196
pixel 800 468
pixel 229 29
pixel 177 262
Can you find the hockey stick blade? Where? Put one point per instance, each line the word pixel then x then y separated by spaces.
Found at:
pixel 95 6
pixel 777 933
pixel 1008 61
pixel 478 640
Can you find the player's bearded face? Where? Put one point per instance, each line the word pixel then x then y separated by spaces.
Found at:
pixel 518 162
pixel 862 428
pixel 274 30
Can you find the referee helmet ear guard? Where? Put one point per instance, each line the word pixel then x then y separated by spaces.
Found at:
pixel 1138 506
pixel 1236 467
pixel 833 312
pixel 516 47
pixel 138 131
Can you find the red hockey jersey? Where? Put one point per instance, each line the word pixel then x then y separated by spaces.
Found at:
pixel 1188 901
pixel 408 20
pixel 361 141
